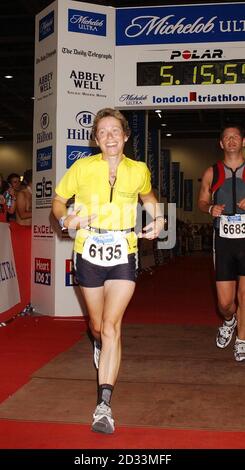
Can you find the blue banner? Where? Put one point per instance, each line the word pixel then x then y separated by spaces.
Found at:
pixel 180 24
pixel 165 168
pixel 136 122
pixel 188 195
pixel 152 156
pixel 175 181
pixel 44 158
pixel 46 26
pixel 86 22
pixel 75 152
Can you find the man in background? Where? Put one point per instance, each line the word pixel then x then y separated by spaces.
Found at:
pixel 222 195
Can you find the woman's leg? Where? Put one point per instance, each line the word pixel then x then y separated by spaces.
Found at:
pixel 117 295
pixel 94 299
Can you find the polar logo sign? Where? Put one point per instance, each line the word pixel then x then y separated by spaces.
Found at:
pixel 74 153
pixel 86 22
pixel 207 54
pixel 85 120
pixel 46 26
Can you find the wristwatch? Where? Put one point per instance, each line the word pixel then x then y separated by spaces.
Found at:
pixel 61 222
pixel 160 217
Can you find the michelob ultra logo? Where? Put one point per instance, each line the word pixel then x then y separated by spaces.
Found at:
pixel 86 22
pixel 75 152
pixel 46 26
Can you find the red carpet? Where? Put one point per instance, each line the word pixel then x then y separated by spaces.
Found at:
pixel 17 435
pixel 29 342
pixel 180 292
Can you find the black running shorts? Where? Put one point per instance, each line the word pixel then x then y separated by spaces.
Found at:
pixel 91 275
pixel 229 258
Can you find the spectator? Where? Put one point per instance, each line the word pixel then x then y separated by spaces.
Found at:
pixel 24 201
pixel 7 201
pixel 13 187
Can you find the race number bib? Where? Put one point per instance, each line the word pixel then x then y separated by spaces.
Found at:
pixel 232 226
pixel 109 249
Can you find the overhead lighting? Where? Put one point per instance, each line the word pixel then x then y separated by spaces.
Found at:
pixel 163 124
pixel 1 136
pixel 32 97
pixel 8 76
pixel 159 113
pixel 168 135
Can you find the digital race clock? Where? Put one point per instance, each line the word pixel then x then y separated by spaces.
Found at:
pixel 180 56
pixel 225 72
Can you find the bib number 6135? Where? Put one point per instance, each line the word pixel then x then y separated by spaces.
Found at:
pixel 105 252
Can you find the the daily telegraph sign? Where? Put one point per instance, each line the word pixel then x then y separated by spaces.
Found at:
pixel 178 56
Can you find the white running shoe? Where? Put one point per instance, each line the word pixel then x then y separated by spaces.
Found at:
pixel 239 351
pixel 225 333
pixel 102 419
pixel 97 351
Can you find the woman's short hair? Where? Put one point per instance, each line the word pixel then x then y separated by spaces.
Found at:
pixel 106 112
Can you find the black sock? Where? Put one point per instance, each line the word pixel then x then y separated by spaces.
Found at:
pixel 98 344
pixel 105 393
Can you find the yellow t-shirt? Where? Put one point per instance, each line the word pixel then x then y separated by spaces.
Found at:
pixel 115 207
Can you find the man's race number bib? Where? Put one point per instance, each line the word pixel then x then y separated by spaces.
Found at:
pixel 232 226
pixel 109 249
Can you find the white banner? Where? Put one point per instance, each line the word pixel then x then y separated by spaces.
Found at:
pixel 9 287
pixel 74 78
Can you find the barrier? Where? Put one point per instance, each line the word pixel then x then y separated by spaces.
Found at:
pixel 21 243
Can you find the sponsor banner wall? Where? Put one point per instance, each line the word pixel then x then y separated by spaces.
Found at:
pixel 74 78
pixel 44 160
pixel 86 64
pixel 180 56
pixel 9 287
